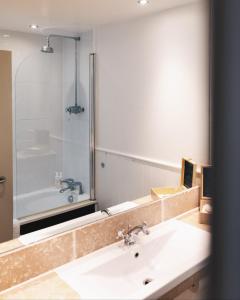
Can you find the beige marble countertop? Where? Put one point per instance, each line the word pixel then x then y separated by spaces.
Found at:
pixel 10 245
pixel 193 219
pixel 45 287
pixel 49 286
pixel 143 200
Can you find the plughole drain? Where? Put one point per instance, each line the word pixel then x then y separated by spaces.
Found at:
pixel 147 281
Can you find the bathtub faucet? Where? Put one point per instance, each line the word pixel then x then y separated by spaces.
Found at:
pixel 71 185
pixel 79 185
pixel 67 181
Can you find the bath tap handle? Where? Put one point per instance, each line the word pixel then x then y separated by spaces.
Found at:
pixel 145 228
pixel 67 181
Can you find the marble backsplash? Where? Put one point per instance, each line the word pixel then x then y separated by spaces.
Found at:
pixel 30 261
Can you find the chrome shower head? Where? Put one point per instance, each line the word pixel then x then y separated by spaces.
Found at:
pixel 47 48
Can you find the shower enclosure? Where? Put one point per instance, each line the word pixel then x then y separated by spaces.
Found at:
pixel 54 126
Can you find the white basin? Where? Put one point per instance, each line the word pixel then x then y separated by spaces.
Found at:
pixel 171 253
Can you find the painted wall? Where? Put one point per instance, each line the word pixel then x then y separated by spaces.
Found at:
pixel 152 100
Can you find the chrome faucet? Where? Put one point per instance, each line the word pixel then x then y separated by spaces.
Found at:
pixel 68 182
pixel 130 237
pixel 78 184
pixel 106 211
pixel 71 185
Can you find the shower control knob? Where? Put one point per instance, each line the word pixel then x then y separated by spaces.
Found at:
pixel 76 109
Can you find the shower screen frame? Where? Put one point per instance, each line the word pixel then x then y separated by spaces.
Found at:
pixel 92 81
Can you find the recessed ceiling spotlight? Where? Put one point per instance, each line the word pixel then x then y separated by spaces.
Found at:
pixel 143 2
pixel 6 36
pixel 33 26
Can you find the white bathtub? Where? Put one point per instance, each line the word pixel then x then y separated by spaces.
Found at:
pixel 42 201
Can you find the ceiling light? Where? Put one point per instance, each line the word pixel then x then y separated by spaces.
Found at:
pixel 33 26
pixel 6 36
pixel 143 2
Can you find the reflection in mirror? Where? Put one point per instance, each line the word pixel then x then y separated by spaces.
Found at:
pixel 149 104
pixel 206 196
pixel 6 191
pixel 53 149
pixel 52 145
pixel 207 182
pixel 52 154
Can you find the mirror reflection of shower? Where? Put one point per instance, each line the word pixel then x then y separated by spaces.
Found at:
pixel 76 108
pixel 52 158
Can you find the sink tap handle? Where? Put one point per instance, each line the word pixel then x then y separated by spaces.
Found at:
pixel 144 224
pixel 120 234
pixel 145 228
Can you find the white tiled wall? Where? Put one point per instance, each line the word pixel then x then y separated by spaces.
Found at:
pixel 37 103
pixel 46 138
pixel 38 100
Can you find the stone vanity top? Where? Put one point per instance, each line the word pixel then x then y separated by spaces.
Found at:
pixel 50 286
pixel 47 286
pixel 10 245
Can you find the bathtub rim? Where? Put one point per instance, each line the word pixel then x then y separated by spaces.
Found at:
pixel 55 211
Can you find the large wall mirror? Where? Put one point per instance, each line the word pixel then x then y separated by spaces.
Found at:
pixel 101 117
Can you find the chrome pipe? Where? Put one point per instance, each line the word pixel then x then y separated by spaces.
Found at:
pixel 92 63
pixel 76 38
pixel 76 73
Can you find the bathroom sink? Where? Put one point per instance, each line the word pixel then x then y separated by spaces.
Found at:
pixel 158 262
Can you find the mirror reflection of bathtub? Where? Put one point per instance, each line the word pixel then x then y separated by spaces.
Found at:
pixel 48 207
pixel 48 140
pixel 44 200
pixel 38 198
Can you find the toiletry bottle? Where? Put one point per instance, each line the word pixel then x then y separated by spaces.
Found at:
pixel 58 179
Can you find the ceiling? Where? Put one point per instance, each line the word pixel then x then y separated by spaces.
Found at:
pixel 74 15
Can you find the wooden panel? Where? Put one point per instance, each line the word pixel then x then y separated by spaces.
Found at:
pixel 6 190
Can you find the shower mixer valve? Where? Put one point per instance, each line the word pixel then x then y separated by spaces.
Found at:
pixel 76 109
